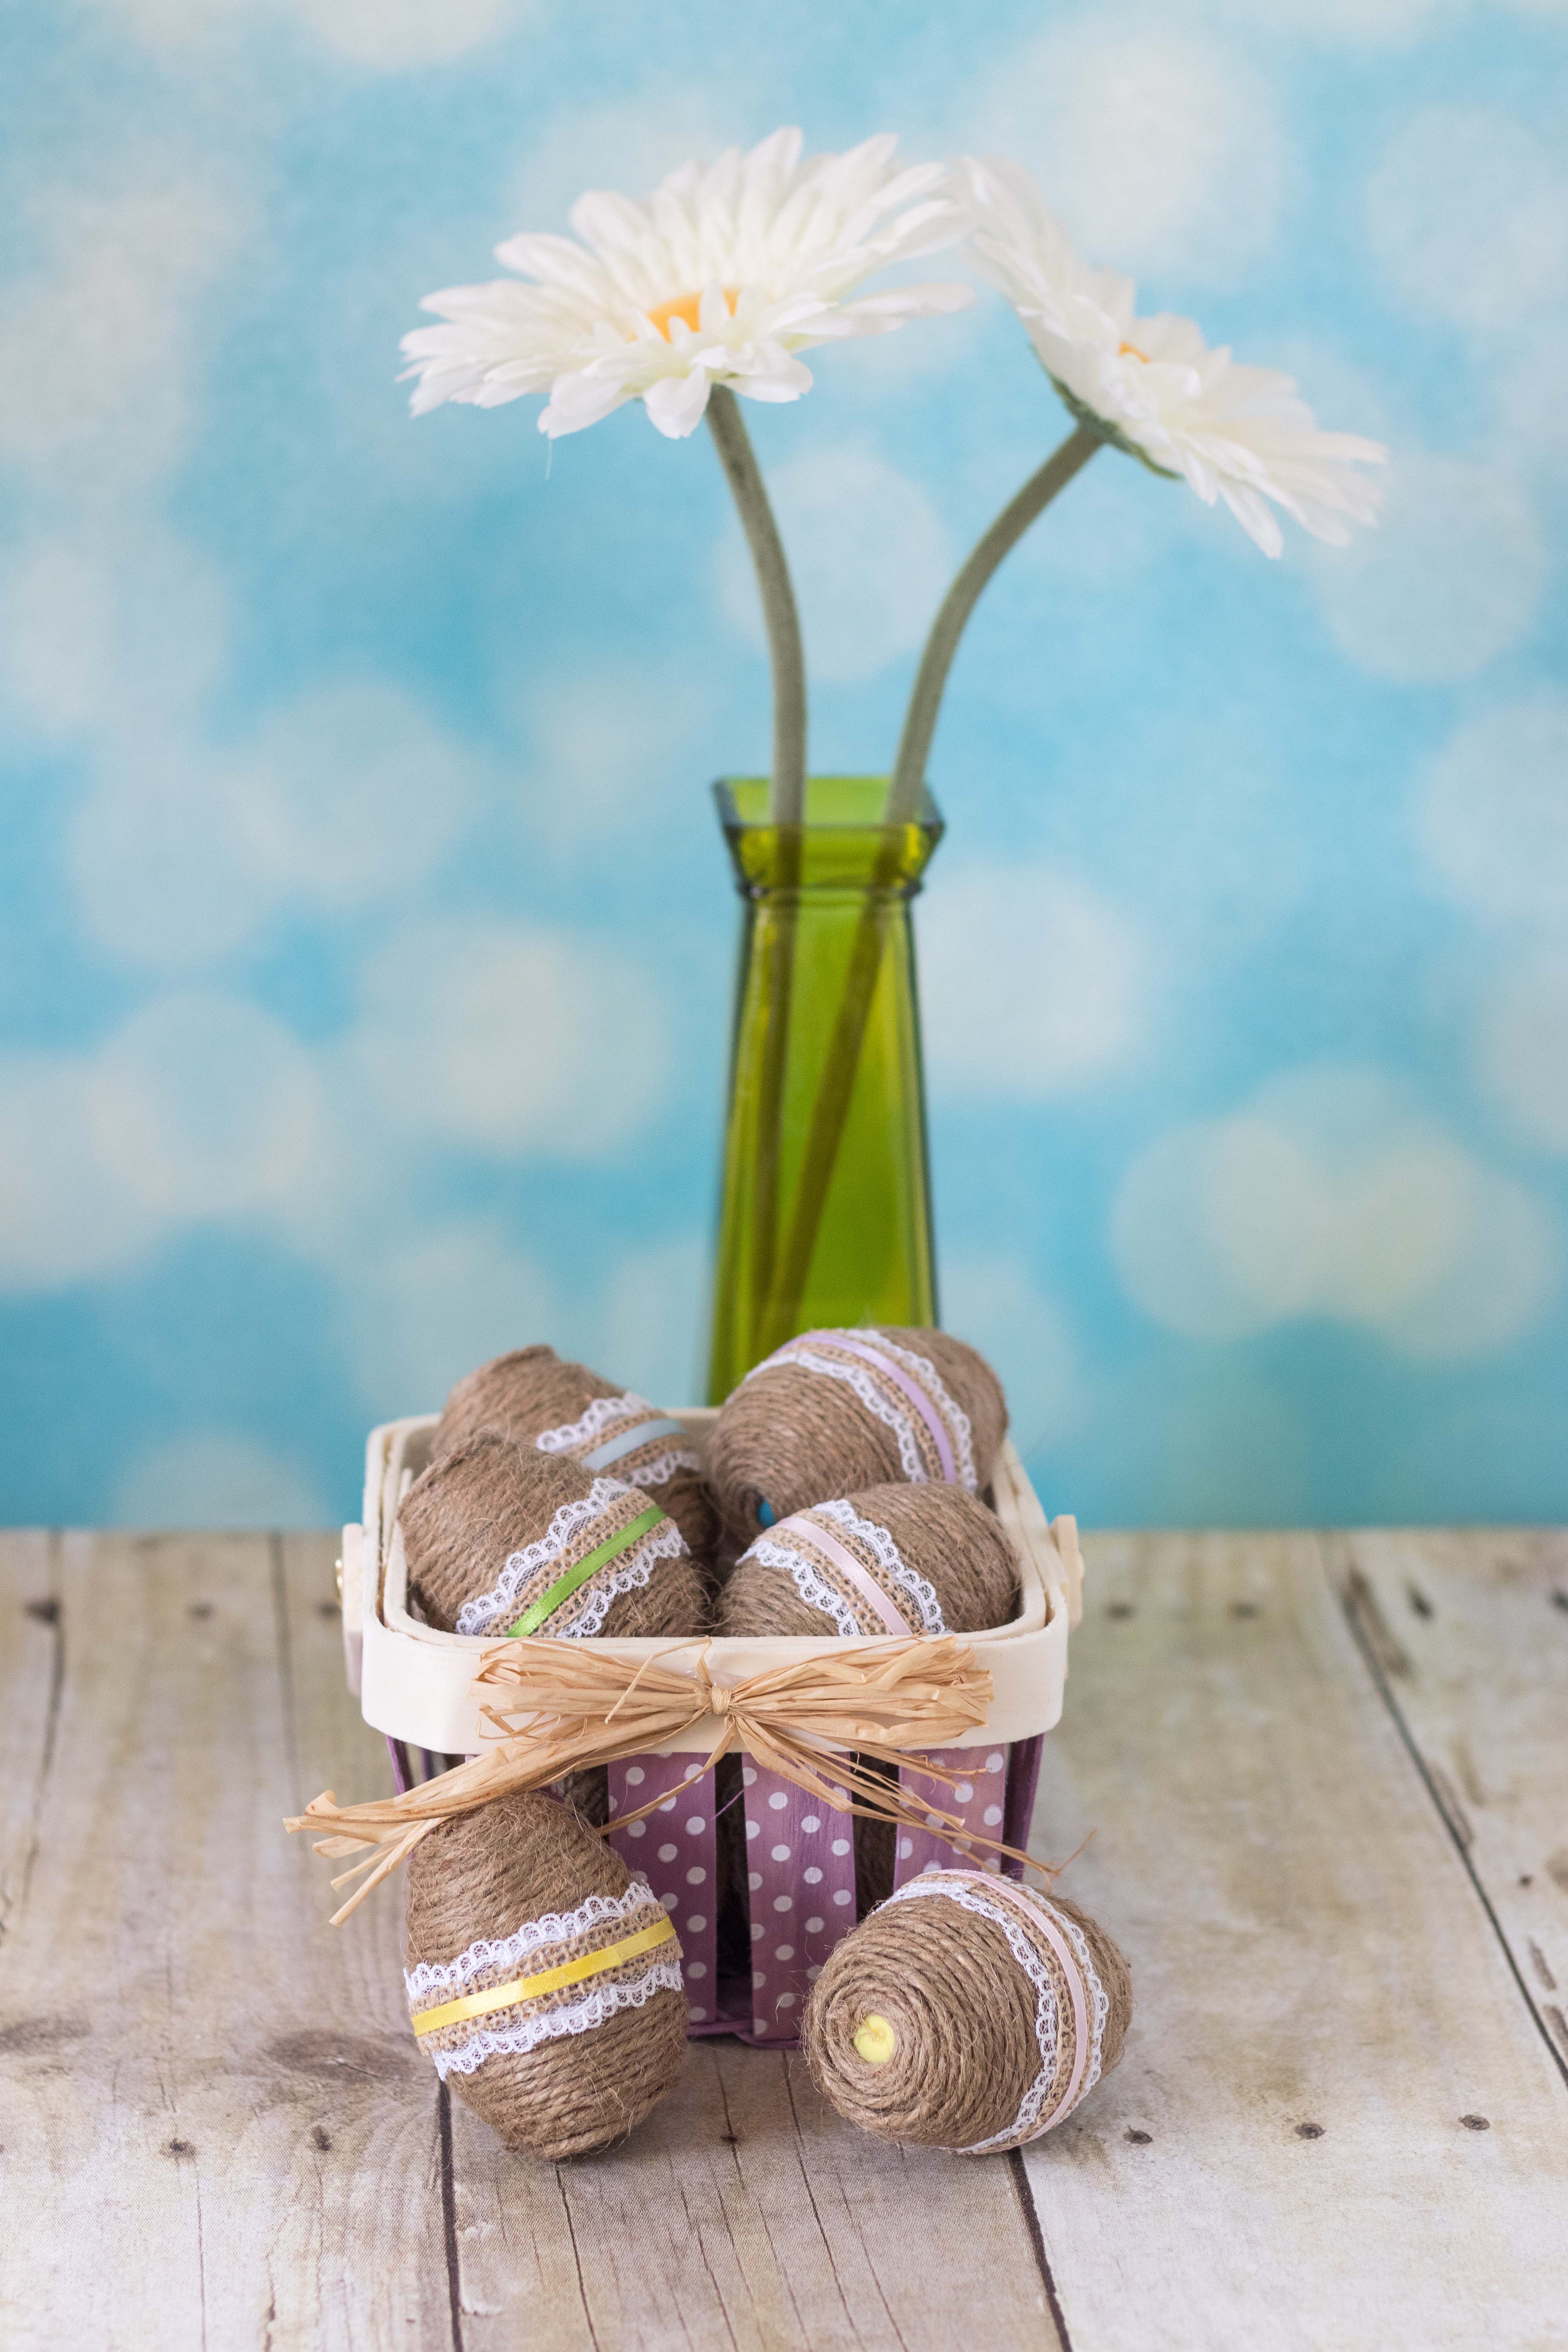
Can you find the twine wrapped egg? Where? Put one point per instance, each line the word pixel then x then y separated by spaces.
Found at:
pixel 543 1981
pixel 968 2013
pixel 536 1398
pixel 832 1413
pixel 501 1539
pixel 894 1559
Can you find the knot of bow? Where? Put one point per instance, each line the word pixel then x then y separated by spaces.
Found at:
pixel 552 1707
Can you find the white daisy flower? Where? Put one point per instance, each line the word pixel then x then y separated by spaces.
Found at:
pixel 721 276
pixel 1153 387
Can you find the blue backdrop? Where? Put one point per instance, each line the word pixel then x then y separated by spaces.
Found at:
pixel 366 951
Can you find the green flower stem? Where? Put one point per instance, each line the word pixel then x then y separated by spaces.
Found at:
pixel 786 799
pixel 998 542
pixel 836 1087
pixel 835 1092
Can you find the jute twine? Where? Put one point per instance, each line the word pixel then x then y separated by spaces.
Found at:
pixel 479 1879
pixel 952 1545
pixel 534 1392
pixel 790 1436
pixel 924 2025
pixel 800 1576
pixel 489 1501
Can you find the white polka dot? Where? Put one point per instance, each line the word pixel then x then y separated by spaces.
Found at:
pixel 994 1866
pixel 994 1761
pixel 813 1876
pixel 635 1776
pixel 748 1776
pixel 752 1828
pixel 695 1825
pixel 993 1816
pixel 695 2014
pixel 614 1804
pixel 906 1847
pixel 843 1896
pixel 758 2026
pixel 840 1845
pixel 753 1879
pixel 756 1931
pixel 696 1877
pixel 780 1854
pixel 783 1902
pixel 696 1968
pixel 964 1791
pixel 811 1823
pixel 929 1865
pixel 812 1974
pixel 667 1806
pixel 670 1901
pixel 758 1978
pixel 778 1801
pixel 813 1927
pixel 637 1828
pixel 696 1924
pixel 784 1952
pixel 786 2001
pixel 667 1853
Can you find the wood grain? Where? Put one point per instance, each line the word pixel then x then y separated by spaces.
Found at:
pixel 1336 2125
pixel 745 2214
pixel 213 2120
pixel 203 2081
pixel 1332 1835
pixel 1466 1636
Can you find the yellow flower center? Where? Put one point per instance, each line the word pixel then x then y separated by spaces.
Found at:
pixel 686 307
pixel 1132 351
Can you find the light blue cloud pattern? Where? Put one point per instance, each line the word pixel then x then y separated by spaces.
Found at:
pixel 365 955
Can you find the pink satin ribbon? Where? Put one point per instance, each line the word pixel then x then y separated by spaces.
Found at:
pixel 817 1537
pixel 1014 1897
pixel 896 1373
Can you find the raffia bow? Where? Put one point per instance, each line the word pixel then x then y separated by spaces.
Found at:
pixel 568 1706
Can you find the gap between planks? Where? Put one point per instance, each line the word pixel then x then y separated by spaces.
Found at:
pixel 1336 2122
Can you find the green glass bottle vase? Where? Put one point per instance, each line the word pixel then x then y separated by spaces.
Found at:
pixel 824 1215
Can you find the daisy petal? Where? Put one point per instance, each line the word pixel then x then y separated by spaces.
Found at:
pixel 676 404
pixel 724 274
pixel 1153 386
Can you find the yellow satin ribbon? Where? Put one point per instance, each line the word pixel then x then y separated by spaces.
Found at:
pixel 589 1964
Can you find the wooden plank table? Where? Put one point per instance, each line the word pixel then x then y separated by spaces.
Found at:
pixel 1329 1780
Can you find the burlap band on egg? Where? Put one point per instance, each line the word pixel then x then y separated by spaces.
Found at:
pixel 851 1569
pixel 904 1390
pixel 564 1973
pixel 627 1437
pixel 595 1548
pixel 1071 2004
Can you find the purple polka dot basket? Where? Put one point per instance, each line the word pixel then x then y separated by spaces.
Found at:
pixel 415 1684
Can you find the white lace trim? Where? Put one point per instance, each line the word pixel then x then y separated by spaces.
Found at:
pixel 595 2008
pixel 608 1414
pixel 1025 2123
pixel 880 1541
pixel 664 1466
pixel 817 1590
pixel 508 1952
pixel 809 1582
pixel 897 1416
pixel 486 1612
pixel 951 1412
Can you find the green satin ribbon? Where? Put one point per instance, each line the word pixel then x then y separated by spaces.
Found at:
pixel 578 1575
